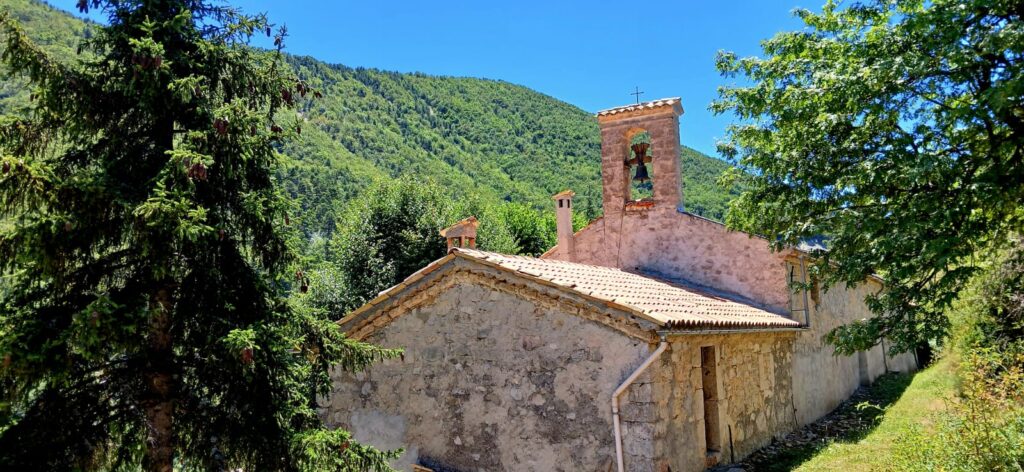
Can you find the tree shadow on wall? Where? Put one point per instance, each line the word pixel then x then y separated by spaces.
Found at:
pixel 434 465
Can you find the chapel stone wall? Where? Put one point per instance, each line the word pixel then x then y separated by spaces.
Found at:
pixel 754 389
pixel 498 380
pixel 675 244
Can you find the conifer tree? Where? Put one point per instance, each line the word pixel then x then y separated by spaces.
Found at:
pixel 145 319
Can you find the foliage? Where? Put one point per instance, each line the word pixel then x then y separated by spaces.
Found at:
pixel 393 230
pixel 859 335
pixel 389 233
pixel 894 128
pixel 990 312
pixel 55 31
pixel 533 232
pixel 145 320
pixel 705 192
pixel 983 428
pixel 484 138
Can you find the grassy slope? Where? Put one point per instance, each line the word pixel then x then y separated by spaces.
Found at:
pixel 926 394
pixel 489 139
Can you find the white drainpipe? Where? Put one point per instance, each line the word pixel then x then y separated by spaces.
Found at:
pixel 618 391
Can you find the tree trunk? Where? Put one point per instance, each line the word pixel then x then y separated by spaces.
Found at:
pixel 158 398
pixel 158 402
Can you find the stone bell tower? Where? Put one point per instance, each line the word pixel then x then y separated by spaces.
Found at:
pixel 660 120
pixel 620 164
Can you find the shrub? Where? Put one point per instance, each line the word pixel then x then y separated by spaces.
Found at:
pixel 983 427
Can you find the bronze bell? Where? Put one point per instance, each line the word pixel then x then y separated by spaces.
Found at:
pixel 641 176
pixel 640 161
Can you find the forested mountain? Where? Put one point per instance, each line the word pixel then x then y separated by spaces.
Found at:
pixel 490 139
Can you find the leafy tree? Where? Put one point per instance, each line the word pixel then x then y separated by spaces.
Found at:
pixel 387 234
pixel 393 230
pixel 145 321
pixel 494 233
pixel 894 128
pixel 990 312
pixel 534 232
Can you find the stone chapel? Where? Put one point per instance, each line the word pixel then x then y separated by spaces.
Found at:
pixel 651 340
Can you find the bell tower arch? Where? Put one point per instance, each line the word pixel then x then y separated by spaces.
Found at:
pixel 659 119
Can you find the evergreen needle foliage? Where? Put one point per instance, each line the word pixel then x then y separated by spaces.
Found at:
pixel 894 128
pixel 145 320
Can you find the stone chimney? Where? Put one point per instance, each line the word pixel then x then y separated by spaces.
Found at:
pixel 563 215
pixel 461 234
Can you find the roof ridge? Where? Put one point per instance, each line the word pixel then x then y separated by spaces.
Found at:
pixel 546 261
pixel 670 301
pixel 668 101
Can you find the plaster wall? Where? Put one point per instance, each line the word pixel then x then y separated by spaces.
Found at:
pixel 665 241
pixel 497 380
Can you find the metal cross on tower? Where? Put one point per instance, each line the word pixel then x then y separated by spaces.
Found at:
pixel 637 94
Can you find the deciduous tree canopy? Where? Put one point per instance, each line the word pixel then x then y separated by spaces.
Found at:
pixel 895 128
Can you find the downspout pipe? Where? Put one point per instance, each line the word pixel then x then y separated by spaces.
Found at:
pixel 622 388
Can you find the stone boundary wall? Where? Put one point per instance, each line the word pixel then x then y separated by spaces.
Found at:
pixel 823 380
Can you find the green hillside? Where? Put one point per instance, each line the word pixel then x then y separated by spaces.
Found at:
pixel 491 139
pixel 53 29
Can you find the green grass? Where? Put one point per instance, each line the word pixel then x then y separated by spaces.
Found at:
pixel 869 451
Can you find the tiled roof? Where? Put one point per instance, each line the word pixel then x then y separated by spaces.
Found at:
pixel 640 106
pixel 670 304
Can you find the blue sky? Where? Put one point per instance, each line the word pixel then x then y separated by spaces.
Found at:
pixel 590 54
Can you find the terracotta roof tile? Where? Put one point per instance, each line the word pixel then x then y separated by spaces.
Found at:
pixel 673 304
pixel 461 226
pixel 640 106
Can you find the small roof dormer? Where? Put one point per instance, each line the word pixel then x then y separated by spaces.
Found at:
pixel 461 234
